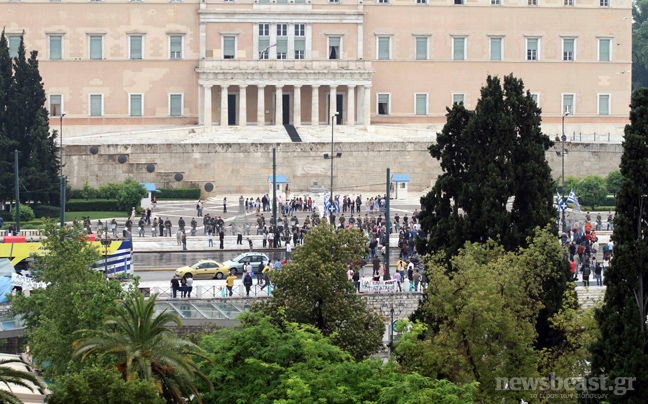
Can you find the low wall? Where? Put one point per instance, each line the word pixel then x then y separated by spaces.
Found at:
pixel 243 168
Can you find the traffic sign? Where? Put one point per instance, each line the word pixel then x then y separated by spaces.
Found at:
pixel 331 209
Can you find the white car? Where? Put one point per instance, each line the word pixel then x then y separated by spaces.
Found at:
pixel 254 258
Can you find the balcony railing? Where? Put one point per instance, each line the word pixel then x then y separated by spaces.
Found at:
pixel 282 65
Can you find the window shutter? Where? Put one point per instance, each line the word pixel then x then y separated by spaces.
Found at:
pixel 459 48
pixel 383 48
pixel 421 108
pixel 95 47
pixel 264 42
pixel 55 47
pixel 176 105
pixel 532 44
pixel 604 104
pixel 421 48
pixel 229 47
pixel 568 103
pixel 136 105
pixel 569 45
pixel 14 45
pixel 282 44
pixel 135 47
pixel 334 41
pixel 604 50
pixel 55 105
pixel 95 105
pixel 300 44
pixel 496 48
pixel 176 44
pixel 458 98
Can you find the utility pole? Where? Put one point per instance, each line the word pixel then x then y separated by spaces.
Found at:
pixel 388 231
pixel 62 177
pixel 563 138
pixel 17 193
pixel 274 194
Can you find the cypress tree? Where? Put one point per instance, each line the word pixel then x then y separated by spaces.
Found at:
pixel 7 146
pixel 621 350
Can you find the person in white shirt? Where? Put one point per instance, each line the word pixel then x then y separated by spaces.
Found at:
pixel 189 286
pixel 288 251
pixel 350 274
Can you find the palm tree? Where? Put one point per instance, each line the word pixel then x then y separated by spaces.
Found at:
pixel 16 377
pixel 144 346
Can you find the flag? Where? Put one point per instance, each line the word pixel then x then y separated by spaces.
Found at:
pixel 327 203
pixel 337 203
pixel 574 199
pixel 561 203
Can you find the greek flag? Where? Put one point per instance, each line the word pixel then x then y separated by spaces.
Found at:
pixel 327 203
pixel 337 203
pixel 572 196
pixel 561 203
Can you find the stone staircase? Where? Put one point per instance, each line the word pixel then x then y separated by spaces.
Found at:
pixel 588 296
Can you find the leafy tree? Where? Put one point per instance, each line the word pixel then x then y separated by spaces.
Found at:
pixel 76 298
pixel 613 182
pixel 130 195
pixel 26 213
pixel 87 191
pixel 95 385
pixel 141 345
pixel 288 363
pixel 16 377
pixel 313 289
pixel 622 350
pixel 490 158
pixel 489 318
pixel 571 182
pixel 109 191
pixel 591 191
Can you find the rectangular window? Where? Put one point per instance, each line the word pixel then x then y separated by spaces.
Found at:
pixel 383 104
pixel 135 102
pixel 334 46
pixel 175 104
pixel 568 49
pixel 568 104
pixel 536 98
pixel 532 2
pixel 495 48
pixel 458 98
pixel 604 50
pixel 421 48
pixel 264 41
pixel 136 47
pixel 300 41
pixel 383 1
pixel 229 47
pixel 56 47
pixel 282 41
pixel 532 48
pixel 604 3
pixel 96 47
pixel 496 2
pixel 383 48
pixel 458 48
pixel 175 47
pixel 604 104
pixel 55 104
pixel 96 104
pixel 568 2
pixel 14 45
pixel 334 1
pixel 421 1
pixel 421 104
pixel 458 2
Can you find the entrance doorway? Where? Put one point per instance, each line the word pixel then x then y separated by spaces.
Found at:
pixel 231 109
pixel 286 109
pixel 339 108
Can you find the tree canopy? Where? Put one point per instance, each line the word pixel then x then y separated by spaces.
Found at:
pixel 314 289
pixel 622 350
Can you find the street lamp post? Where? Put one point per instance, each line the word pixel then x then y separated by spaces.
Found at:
pixel 61 169
pixel 563 138
pixel 389 309
pixel 332 156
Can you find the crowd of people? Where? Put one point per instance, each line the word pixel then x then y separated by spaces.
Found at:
pixel 584 249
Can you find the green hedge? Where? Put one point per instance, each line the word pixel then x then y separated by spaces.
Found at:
pixel 46 211
pixel 75 194
pixel 109 205
pixel 6 216
pixel 178 193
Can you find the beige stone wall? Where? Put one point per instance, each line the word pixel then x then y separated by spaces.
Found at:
pixel 245 167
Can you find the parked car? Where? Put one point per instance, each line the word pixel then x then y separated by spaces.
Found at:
pixel 254 258
pixel 204 269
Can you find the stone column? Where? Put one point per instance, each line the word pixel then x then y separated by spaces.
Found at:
pixel 223 106
pixel 315 106
pixel 279 105
pixel 360 102
pixel 351 105
pixel 332 102
pixel 242 105
pixel 260 105
pixel 297 106
pixel 367 106
pixel 207 106
pixel 201 104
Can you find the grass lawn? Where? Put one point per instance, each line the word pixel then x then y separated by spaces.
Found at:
pixel 69 216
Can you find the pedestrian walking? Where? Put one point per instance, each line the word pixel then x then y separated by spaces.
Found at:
pixel 288 251
pixel 247 282
pixel 179 237
pixel 183 286
pixel 230 283
pixel 250 244
pixel 586 275
pixel 224 205
pixel 417 280
pixel 184 240
pixel 175 285
pixel 189 286
pixel 210 239
pixel 221 238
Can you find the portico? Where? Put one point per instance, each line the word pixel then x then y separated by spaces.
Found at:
pixel 287 92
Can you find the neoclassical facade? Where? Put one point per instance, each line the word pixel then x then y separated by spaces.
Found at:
pixel 133 65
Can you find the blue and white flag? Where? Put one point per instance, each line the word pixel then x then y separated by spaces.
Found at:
pixel 572 196
pixel 327 203
pixel 561 203
pixel 337 204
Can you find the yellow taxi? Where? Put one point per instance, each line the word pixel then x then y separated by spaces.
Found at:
pixel 204 269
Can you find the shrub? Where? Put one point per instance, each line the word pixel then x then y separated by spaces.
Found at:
pixel 130 195
pixel 178 193
pixel 46 211
pixel 108 191
pixel 26 213
pixel 6 216
pixel 73 193
pixel 88 192
pixel 95 205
